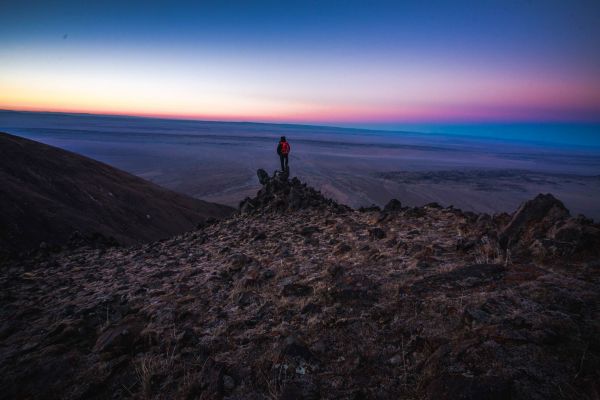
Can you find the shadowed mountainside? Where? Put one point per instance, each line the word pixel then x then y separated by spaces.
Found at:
pixel 216 161
pixel 298 297
pixel 48 194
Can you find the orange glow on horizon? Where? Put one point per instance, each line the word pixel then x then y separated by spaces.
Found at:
pixel 333 115
pixel 320 96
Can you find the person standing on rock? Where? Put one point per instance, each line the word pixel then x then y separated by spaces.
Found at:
pixel 283 149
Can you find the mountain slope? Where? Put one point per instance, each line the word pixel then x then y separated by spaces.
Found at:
pixel 297 297
pixel 48 193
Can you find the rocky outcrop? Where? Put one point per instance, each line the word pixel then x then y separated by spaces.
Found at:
pixel 318 302
pixel 543 227
pixel 279 193
pixel 533 219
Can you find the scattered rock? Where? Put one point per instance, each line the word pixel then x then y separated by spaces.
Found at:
pixel 268 274
pixel 119 338
pixel 308 230
pixel 342 248
pixel 371 208
pixel 294 347
pixel 238 261
pixel 415 212
pixel 260 236
pixel 246 298
pixel 472 316
pixel 228 383
pixel 393 205
pixel 396 360
pixel 376 233
pixel 431 309
pixel 296 289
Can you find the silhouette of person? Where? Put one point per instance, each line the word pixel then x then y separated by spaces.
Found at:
pixel 283 149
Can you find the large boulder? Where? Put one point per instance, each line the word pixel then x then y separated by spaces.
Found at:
pixel 393 205
pixel 544 228
pixel 120 338
pixel 532 220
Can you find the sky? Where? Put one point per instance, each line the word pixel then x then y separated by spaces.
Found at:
pixel 350 63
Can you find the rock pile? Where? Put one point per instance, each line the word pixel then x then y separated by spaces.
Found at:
pixel 279 193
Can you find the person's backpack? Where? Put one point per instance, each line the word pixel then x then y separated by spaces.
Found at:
pixel 285 148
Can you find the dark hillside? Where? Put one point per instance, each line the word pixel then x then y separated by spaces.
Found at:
pixel 46 194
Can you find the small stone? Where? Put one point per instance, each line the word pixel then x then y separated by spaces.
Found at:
pixel 309 230
pixel 296 289
pixel 319 347
pixel 342 248
pixel 370 208
pixel 396 360
pixel 268 274
pixel 476 316
pixel 245 299
pixel 228 383
pixel 377 233
pixel 239 260
pixel 260 236
pixel 121 337
pixel 294 347
pixel 310 308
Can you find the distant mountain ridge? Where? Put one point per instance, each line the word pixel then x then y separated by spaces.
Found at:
pixel 48 194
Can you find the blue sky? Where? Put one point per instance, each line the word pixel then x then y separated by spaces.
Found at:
pixel 348 63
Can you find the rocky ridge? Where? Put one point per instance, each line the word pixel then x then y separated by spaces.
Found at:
pixel 297 297
pixel 280 194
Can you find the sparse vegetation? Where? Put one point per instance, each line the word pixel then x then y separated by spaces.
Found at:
pixel 227 312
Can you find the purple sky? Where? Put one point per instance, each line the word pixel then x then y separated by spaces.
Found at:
pixel 350 63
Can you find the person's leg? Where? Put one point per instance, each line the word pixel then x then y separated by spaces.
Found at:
pixel 286 161
pixel 281 159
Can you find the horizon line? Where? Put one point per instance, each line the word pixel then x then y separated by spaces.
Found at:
pixel 436 125
pixel 381 126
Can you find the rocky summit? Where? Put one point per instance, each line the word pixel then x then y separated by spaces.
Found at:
pixel 298 297
pixel 278 193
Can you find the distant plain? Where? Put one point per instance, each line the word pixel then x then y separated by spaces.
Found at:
pixel 217 161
